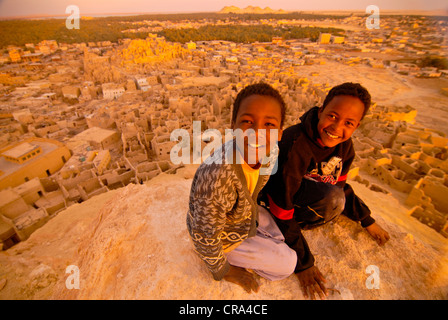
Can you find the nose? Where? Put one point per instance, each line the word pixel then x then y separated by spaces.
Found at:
pixel 337 126
pixel 256 126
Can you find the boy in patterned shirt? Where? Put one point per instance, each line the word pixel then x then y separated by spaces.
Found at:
pixel 230 232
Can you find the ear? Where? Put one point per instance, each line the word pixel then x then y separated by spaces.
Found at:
pixel 319 113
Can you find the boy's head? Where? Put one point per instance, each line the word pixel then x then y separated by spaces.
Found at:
pixel 260 108
pixel 261 89
pixel 341 113
pixel 350 89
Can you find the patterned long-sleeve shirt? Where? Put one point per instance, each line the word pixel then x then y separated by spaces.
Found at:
pixel 222 212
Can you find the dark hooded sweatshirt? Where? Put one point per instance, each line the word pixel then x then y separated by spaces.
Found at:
pixel 303 157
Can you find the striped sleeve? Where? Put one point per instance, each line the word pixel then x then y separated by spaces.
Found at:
pixel 210 199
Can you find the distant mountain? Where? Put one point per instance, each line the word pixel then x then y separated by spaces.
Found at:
pixel 250 9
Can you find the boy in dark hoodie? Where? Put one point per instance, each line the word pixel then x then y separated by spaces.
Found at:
pixel 309 188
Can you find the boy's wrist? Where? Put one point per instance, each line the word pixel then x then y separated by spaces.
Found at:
pixel 367 221
pixel 219 275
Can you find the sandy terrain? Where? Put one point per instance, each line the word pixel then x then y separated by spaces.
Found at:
pixel 133 244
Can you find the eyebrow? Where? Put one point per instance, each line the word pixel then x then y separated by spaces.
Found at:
pixel 266 117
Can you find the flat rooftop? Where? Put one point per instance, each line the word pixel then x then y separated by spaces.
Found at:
pixel 9 167
pixel 21 150
pixel 95 134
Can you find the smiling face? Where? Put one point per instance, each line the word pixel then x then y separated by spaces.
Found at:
pixel 339 119
pixel 258 112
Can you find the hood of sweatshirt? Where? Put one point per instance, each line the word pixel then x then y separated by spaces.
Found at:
pixel 309 122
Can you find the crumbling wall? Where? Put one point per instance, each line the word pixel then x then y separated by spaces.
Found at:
pixel 408 158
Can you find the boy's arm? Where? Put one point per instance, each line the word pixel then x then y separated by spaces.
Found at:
pixel 205 234
pixel 294 157
pixel 209 204
pixel 283 185
pixel 355 208
pixel 310 278
pixel 296 241
pixel 291 230
pixel 207 218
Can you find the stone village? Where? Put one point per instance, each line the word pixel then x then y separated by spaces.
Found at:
pixel 77 120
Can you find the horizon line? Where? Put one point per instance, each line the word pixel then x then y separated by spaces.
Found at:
pixel 443 12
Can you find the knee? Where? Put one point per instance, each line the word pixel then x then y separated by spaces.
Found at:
pixel 286 263
pixel 335 199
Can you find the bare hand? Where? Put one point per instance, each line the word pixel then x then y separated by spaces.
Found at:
pixel 379 234
pixel 312 282
pixel 243 278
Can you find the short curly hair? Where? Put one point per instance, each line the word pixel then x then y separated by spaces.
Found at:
pixel 350 89
pixel 262 89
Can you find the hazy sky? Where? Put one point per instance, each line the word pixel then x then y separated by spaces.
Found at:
pixel 9 8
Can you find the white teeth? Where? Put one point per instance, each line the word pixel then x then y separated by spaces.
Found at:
pixel 255 145
pixel 331 136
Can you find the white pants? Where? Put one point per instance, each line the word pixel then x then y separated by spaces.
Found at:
pixel 266 253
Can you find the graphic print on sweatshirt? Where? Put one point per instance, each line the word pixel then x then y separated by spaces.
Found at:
pixel 328 172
